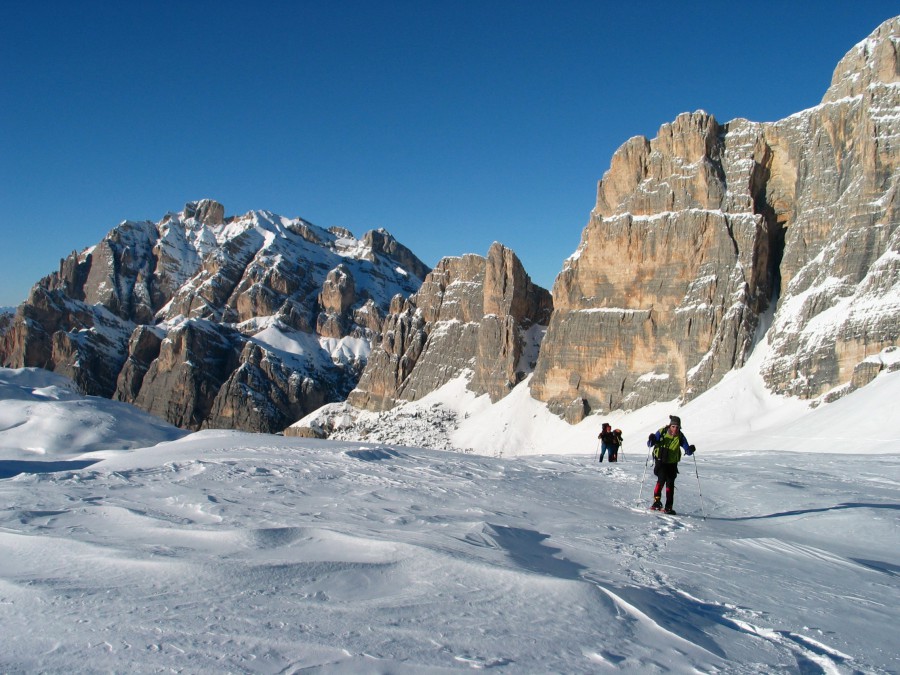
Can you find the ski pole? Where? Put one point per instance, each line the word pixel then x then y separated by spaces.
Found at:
pixel 643 475
pixel 597 452
pixel 697 473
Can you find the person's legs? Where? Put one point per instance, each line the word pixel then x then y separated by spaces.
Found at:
pixel 657 493
pixel 670 488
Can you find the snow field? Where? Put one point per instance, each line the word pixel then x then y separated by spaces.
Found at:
pixel 248 553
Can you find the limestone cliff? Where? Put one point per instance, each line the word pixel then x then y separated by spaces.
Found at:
pixel 834 180
pixel 699 231
pixel 472 313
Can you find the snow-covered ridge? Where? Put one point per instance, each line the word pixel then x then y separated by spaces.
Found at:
pixel 257 312
pixel 187 240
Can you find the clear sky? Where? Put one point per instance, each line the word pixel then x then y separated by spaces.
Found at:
pixel 450 124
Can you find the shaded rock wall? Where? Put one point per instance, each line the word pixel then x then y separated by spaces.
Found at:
pixel 470 314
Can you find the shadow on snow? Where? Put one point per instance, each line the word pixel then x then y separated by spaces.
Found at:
pixel 14 467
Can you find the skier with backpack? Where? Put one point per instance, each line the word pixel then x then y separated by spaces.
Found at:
pixel 667 444
pixel 610 441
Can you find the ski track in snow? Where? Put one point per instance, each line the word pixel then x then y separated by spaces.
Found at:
pixel 228 554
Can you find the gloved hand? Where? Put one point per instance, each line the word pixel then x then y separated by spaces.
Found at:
pixel 651 440
pixel 690 451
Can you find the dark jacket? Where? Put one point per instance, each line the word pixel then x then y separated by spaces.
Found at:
pixel 612 438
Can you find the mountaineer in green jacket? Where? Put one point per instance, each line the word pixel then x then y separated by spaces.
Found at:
pixel 667 444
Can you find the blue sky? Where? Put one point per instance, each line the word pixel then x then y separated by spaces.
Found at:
pixel 450 124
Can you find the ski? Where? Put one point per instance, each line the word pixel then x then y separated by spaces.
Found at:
pixel 640 509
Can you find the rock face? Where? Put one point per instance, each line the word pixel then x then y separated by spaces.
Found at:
pixel 701 230
pixel 662 296
pixel 472 313
pixel 836 184
pixel 247 322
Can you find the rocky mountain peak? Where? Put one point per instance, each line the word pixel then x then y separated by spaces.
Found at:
pixel 381 241
pixel 472 313
pixel 206 211
pixel 676 170
pixel 246 322
pixel 875 60
pixel 700 230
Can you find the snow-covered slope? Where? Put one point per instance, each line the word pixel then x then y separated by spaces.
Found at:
pixel 739 413
pixel 232 552
pixel 44 418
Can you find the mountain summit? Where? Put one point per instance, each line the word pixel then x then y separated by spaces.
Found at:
pixel 246 322
pixel 701 232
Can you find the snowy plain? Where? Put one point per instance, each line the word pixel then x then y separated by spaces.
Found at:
pixel 222 551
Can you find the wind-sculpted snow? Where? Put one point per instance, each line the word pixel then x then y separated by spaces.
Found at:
pixel 229 552
pixel 44 418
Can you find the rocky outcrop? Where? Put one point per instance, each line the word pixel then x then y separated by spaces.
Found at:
pixel 662 296
pixel 699 231
pixel 205 212
pixel 143 349
pixel 51 331
pixel 245 322
pixel 514 313
pixel 472 313
pixel 381 242
pixel 836 176
pixel 266 394
pixel 337 296
pixel 6 320
pixel 181 384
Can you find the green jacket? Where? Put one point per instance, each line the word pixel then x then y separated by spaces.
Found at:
pixel 667 448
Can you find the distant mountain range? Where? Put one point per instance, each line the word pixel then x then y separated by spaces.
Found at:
pixel 247 322
pixel 703 241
